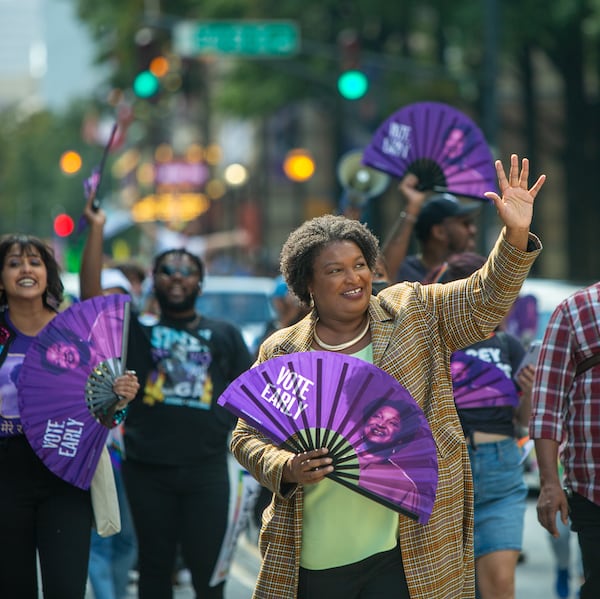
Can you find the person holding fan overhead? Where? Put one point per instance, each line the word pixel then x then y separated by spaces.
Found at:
pixel 409 330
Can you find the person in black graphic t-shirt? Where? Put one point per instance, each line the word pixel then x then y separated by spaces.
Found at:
pixel 176 436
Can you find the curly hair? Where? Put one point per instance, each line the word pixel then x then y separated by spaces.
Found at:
pixel 28 245
pixel 304 244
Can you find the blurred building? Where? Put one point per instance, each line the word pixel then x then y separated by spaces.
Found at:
pixel 45 55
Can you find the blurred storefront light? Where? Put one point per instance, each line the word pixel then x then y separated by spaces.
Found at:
pixel 299 165
pixel 236 174
pixel 170 207
pixel 215 189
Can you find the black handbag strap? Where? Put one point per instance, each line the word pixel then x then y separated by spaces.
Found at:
pixel 587 364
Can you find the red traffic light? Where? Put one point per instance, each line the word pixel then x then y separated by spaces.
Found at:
pixel 63 225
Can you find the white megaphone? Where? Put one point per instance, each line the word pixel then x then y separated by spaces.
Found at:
pixel 360 182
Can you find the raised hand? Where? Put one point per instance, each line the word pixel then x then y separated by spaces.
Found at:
pixel 515 207
pixel 93 215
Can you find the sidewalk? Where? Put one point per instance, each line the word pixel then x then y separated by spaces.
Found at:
pixel 536 576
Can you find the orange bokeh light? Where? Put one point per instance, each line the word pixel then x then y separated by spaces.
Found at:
pixel 299 165
pixel 70 162
pixel 159 66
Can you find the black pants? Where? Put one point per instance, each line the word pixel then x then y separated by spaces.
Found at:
pixel 380 576
pixel 585 521
pixel 40 512
pixel 171 506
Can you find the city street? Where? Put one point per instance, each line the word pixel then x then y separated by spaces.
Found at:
pixel 535 575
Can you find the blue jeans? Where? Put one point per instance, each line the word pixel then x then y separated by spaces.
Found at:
pixel 112 557
pixel 500 496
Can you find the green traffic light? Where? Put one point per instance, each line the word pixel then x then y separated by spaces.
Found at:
pixel 353 85
pixel 145 84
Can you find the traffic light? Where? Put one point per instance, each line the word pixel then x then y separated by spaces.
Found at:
pixel 152 65
pixel 159 66
pixel 352 82
pixel 145 85
pixel 353 85
pixel 63 225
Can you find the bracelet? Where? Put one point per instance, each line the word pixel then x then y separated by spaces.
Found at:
pixel 411 218
pixel 119 416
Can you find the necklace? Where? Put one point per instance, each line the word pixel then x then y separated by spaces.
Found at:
pixel 341 346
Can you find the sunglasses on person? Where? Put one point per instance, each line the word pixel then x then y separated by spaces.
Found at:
pixel 168 270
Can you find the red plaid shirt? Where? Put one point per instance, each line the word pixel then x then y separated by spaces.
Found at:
pixel 565 407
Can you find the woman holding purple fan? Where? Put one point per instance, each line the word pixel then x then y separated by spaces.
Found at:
pixel 42 515
pixel 409 330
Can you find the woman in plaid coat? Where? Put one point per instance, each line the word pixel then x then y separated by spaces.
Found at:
pixel 320 540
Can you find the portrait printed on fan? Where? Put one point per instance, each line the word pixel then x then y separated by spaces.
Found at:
pixel 380 452
pixel 386 440
pixel 70 351
pixel 459 141
pixel 481 378
pixel 65 354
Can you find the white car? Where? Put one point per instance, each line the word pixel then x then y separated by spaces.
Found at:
pixel 243 300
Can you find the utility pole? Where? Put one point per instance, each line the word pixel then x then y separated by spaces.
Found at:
pixel 490 106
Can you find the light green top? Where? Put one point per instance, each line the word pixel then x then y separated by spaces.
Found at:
pixel 341 526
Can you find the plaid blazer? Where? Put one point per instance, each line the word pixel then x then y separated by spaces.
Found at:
pixel 414 330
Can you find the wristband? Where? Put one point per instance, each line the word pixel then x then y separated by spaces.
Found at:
pixel 119 416
pixel 411 218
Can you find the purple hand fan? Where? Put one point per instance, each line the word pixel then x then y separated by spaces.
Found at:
pixel 439 144
pixel 480 384
pixel 66 381
pixel 377 435
pixel 522 320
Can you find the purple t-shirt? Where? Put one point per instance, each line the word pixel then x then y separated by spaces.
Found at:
pixel 10 422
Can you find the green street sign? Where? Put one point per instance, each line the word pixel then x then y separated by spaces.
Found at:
pixel 237 38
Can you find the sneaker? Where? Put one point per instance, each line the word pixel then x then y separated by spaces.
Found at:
pixel 562 584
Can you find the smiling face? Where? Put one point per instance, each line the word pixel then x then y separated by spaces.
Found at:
pixel 383 427
pixel 341 282
pixel 63 355
pixel 176 284
pixel 23 275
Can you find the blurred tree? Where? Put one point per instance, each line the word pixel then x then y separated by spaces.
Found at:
pixel 412 51
pixel 33 188
pixel 567 35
